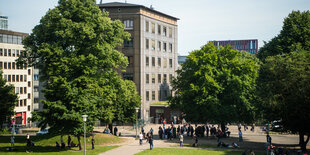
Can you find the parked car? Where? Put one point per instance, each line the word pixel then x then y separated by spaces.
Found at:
pixel 42 132
pixel 277 125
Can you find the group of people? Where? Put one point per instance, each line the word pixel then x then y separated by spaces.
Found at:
pixel 70 143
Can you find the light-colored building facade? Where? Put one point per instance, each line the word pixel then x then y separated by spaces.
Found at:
pixel 249 45
pixel 3 22
pixel 151 52
pixel 21 77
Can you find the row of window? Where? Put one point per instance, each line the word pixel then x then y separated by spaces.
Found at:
pixel 11 65
pixel 159 47
pixel 21 90
pixel 161 30
pixel 21 103
pixel 147 78
pixel 11 39
pixel 160 95
pixel 15 78
pixel 10 52
pixel 147 62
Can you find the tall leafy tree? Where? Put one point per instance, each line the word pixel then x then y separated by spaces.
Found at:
pixel 294 36
pixel 284 88
pixel 8 100
pixel 74 48
pixel 217 85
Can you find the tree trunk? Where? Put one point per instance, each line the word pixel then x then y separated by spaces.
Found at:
pixel 302 143
pixel 79 139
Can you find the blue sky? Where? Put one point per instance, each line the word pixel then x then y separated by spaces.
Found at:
pixel 200 20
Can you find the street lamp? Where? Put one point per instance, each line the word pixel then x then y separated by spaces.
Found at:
pixel 84 120
pixel 137 110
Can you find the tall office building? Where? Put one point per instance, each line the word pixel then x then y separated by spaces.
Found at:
pixel 151 52
pixel 3 22
pixel 250 45
pixel 21 77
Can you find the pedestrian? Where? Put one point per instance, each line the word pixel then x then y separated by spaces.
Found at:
pixel 164 123
pixel 140 138
pixel 62 143
pixel 160 132
pixel 115 131
pixel 69 141
pixel 151 130
pixel 151 142
pixel 240 136
pixel 181 140
pixel 92 143
pixel 219 135
pixel 28 140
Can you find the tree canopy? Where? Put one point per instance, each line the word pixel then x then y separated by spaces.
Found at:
pixel 74 48
pixel 216 85
pixel 294 36
pixel 8 100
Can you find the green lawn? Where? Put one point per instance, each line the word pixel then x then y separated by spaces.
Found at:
pixel 184 151
pixel 45 144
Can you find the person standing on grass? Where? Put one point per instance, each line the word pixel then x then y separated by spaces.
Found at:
pixel 151 142
pixel 115 131
pixel 181 140
pixel 140 138
pixel 93 143
pixel 69 141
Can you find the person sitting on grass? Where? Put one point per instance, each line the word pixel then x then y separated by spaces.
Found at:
pixel 57 145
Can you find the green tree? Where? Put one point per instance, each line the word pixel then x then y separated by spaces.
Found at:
pixel 8 100
pixel 74 48
pixel 217 85
pixel 294 36
pixel 284 88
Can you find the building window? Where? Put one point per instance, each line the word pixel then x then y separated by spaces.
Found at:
pixel 147 79
pixel 1 52
pixel 36 100
pixel 170 78
pixel 159 78
pixel 13 52
pixel 9 52
pixel 159 62
pixel 159 29
pixel 35 89
pixel 146 26
pixel 170 32
pixel 153 95
pixel 159 95
pixel 21 78
pixel 29 95
pixel 20 103
pixel 5 65
pixel 17 53
pixel 21 90
pixel 25 90
pixel 25 102
pixel 35 77
pixel 17 78
pixel 128 76
pixel 1 65
pixel 159 45
pixel 29 83
pixel 147 61
pixel 9 65
pixel 130 60
pixel 153 45
pixel 170 63
pixel 28 107
pixel 153 28
pixel 165 47
pixel 153 78
pixel 13 65
pixel 153 61
pixel 128 24
pixel 165 77
pixel 165 63
pixel 170 47
pixel 147 95
pixel 164 31
pixel 128 43
pixel 9 78
pixel 29 71
pixel 13 78
pixel 147 43
pixel 5 77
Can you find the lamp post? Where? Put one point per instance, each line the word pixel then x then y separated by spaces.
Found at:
pixel 137 110
pixel 84 120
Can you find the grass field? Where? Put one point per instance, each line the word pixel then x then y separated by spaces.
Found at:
pixel 184 151
pixel 45 144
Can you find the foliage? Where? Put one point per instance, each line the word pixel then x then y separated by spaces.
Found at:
pixel 294 36
pixel 284 89
pixel 8 100
pixel 216 85
pixel 74 48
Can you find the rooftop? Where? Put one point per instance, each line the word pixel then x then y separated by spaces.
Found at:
pixel 119 5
